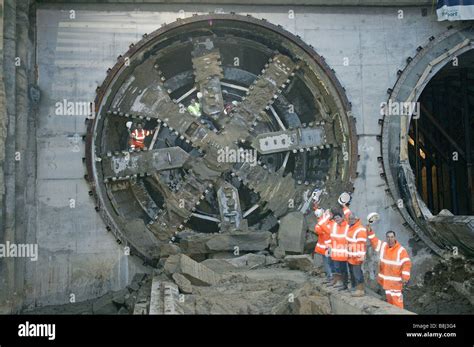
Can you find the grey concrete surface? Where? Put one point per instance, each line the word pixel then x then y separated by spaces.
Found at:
pixel 264 2
pixel 3 135
pixel 8 222
pixel 76 253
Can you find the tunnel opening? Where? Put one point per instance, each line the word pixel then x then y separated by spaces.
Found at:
pixel 427 151
pixel 441 139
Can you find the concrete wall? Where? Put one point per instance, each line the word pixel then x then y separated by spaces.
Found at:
pixel 3 134
pixel 8 208
pixel 77 255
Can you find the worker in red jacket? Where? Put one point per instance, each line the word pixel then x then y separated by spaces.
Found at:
pixel 394 267
pixel 138 137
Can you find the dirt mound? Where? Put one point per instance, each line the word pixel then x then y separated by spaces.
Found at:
pixel 447 289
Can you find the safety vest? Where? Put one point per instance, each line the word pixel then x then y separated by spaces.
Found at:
pixel 357 240
pixel 195 109
pixel 139 135
pixel 338 241
pixel 323 235
pixel 395 264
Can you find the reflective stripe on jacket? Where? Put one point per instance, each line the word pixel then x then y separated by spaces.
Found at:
pixel 395 264
pixel 338 241
pixel 139 135
pixel 357 240
pixel 195 109
pixel 323 235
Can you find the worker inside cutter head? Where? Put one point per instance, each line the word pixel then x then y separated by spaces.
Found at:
pixel 194 107
pixel 137 137
pixel 229 107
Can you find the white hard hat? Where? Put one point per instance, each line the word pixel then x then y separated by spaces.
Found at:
pixel 234 103
pixel 372 217
pixel 128 125
pixel 344 198
pixel 319 212
pixel 199 95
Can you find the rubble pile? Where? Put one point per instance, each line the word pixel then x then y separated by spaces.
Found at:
pixel 206 274
pixel 253 284
pixel 447 289
pixel 125 301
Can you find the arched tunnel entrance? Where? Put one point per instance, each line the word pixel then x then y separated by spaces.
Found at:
pixel 427 143
pixel 441 139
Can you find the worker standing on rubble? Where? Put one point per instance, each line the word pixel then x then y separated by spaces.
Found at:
pixel 356 250
pixel 394 267
pixel 338 228
pixel 138 137
pixel 322 247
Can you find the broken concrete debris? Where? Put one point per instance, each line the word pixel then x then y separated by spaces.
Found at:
pixel 250 261
pixel 279 252
pixel 164 297
pixel 244 262
pixel 249 284
pixel 292 233
pixel 299 262
pixel 195 272
pixel 168 249
pixel 451 282
pixel 269 260
pixel 219 265
pixel 240 241
pixel 183 283
pixel 115 302
pixel 244 241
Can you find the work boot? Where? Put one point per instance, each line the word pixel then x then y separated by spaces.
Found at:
pixel 342 287
pixel 336 278
pixel 360 290
pixel 328 280
pixel 341 283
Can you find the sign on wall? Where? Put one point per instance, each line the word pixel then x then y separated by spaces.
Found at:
pixel 455 10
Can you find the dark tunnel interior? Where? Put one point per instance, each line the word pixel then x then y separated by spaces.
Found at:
pixel 441 140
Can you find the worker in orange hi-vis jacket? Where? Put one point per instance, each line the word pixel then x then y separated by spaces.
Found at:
pixel 356 250
pixel 338 228
pixel 138 137
pixel 324 237
pixel 394 267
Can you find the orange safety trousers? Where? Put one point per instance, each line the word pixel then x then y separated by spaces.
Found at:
pixel 394 297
